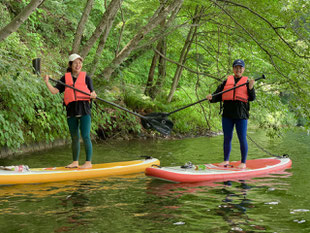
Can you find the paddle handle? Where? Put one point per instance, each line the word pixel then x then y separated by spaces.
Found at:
pixel 216 94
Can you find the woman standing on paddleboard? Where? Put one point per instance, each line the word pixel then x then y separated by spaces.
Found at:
pixel 78 107
pixel 235 109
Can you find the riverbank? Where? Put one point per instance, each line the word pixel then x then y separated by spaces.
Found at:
pixel 41 146
pixel 35 147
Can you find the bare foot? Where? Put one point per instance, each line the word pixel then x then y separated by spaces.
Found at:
pixel 74 164
pixel 223 163
pixel 242 166
pixel 86 165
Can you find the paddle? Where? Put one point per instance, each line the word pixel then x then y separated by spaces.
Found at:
pixel 162 117
pixel 162 125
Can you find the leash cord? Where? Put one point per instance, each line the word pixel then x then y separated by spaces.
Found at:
pixel 260 147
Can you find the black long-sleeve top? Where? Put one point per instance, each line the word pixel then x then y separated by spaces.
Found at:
pixel 234 109
pixel 77 108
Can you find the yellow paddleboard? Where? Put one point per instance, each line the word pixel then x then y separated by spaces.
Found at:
pixel 56 174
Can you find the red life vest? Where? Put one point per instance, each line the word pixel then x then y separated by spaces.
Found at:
pixel 240 93
pixel 72 95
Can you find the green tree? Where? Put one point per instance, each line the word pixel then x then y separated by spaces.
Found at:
pixel 19 19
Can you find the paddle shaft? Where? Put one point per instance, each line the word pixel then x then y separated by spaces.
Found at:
pixel 98 98
pixel 216 94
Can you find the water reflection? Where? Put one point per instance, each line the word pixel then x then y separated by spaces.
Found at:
pixel 75 208
pixel 273 203
pixel 233 210
pixel 228 204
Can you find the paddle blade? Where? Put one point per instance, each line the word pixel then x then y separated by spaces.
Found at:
pixel 157 121
pixel 36 64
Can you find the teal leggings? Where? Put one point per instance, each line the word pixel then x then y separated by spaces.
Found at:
pixel 80 123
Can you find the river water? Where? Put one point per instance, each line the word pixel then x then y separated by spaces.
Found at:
pixel 135 203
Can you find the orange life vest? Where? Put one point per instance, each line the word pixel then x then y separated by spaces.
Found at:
pixel 72 95
pixel 240 93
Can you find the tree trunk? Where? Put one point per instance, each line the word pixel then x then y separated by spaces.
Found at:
pixel 98 54
pixel 155 90
pixel 183 55
pixel 19 19
pixel 120 33
pixel 131 59
pixel 132 44
pixel 150 80
pixel 102 42
pixel 81 26
pixel 106 18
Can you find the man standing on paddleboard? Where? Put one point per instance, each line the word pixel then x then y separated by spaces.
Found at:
pixel 78 107
pixel 235 109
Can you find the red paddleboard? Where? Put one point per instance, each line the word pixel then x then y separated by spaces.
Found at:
pixel 210 172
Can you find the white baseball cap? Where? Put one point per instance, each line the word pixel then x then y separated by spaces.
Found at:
pixel 75 56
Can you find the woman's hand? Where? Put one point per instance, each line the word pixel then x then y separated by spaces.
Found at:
pixel 93 95
pixel 251 84
pixel 52 89
pixel 46 78
pixel 209 97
